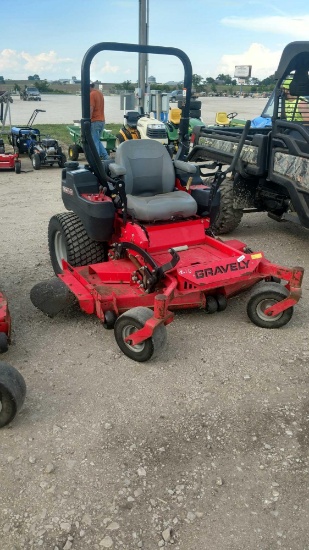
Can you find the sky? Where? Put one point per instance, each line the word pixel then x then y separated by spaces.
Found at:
pixel 51 37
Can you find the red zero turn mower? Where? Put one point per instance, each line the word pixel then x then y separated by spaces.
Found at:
pixel 12 384
pixel 9 161
pixel 136 244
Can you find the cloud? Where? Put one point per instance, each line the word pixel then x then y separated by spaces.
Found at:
pixel 20 64
pixel 264 61
pixel 108 68
pixel 293 26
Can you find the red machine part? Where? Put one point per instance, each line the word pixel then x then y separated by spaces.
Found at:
pixel 5 317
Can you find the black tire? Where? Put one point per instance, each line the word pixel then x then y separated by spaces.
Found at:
pixel 12 393
pixel 229 217
pixel 211 304
pixel 195 104
pixel 263 296
pixel 68 239
pixel 110 319
pixel 62 160
pixel 131 321
pixel 17 167
pixel 36 161
pixel 222 302
pixel 4 342
pixel 195 113
pixel 73 152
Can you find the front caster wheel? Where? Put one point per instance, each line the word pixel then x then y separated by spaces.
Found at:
pixel 211 304
pixel 130 322
pixel 264 296
pixel 12 393
pixel 109 320
pixel 222 302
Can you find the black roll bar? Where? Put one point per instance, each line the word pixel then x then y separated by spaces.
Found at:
pixel 88 144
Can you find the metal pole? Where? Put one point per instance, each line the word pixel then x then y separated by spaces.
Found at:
pixel 142 57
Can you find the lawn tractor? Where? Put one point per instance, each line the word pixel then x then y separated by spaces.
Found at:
pixel 12 384
pixel 141 126
pixel 136 245
pixel 43 151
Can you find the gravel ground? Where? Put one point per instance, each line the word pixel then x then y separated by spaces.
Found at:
pixel 205 447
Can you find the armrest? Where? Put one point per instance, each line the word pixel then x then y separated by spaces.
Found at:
pixel 185 166
pixel 117 170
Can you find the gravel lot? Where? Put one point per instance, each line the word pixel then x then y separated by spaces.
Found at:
pixel 205 447
pixel 63 109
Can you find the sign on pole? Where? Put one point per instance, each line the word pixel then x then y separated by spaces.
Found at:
pixel 242 71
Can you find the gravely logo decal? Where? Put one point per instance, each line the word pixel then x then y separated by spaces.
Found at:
pixel 212 271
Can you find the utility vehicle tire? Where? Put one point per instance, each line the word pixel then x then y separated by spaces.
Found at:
pixel 195 113
pixel 130 322
pixel 36 161
pixel 265 295
pixel 68 240
pixel 195 104
pixel 229 217
pixel 4 342
pixel 211 304
pixel 62 160
pixel 73 152
pixel 12 393
pixel 17 167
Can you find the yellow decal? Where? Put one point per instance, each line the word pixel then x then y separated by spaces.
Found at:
pixel 256 256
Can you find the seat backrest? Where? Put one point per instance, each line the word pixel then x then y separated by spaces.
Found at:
pixel 222 118
pixel 149 167
pixel 175 115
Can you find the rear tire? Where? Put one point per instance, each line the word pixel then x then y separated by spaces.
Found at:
pixel 229 217
pixel 68 240
pixel 12 393
pixel 17 167
pixel 36 161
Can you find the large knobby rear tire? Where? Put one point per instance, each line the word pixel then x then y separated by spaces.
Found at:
pixel 12 393
pixel 130 322
pixel 68 240
pixel 229 217
pixel 265 295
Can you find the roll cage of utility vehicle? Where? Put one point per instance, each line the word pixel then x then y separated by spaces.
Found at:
pixel 272 173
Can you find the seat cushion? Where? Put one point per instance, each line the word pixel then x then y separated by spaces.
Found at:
pixel 161 207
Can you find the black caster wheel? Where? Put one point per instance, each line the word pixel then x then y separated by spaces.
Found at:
pixel 12 393
pixel 110 319
pixel 222 302
pixel 211 304
pixel 4 342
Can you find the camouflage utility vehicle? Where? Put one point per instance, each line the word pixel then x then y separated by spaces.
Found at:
pixel 272 174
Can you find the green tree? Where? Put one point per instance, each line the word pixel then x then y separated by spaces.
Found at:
pixel 42 86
